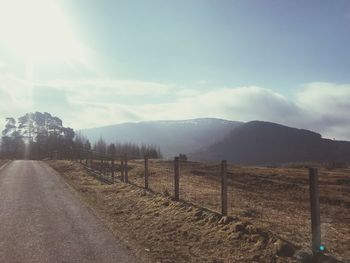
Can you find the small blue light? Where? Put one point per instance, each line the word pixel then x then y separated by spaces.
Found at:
pixel 322 248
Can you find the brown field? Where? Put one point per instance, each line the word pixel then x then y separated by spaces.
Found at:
pixel 273 198
pixel 158 229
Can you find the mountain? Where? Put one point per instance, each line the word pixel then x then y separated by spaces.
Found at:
pixel 260 142
pixel 173 137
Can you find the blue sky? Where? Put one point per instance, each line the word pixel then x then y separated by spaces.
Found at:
pixel 278 44
pixel 103 62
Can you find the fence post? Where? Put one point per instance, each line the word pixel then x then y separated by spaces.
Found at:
pixel 91 156
pixel 112 167
pixel 176 179
pixel 223 188
pixel 122 169
pixel 146 172
pixel 315 212
pixel 126 169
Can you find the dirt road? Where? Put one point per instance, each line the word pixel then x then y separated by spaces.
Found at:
pixel 41 220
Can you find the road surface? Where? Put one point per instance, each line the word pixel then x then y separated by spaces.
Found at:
pixel 41 220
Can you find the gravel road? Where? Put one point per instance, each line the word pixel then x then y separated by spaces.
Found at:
pixel 41 220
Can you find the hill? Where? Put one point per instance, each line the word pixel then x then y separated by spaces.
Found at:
pixel 260 142
pixel 173 137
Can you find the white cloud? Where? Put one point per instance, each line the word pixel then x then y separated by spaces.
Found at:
pixel 187 92
pixel 327 106
pixel 321 107
pixel 15 94
pixel 201 82
pixel 15 97
pixel 123 86
pixel 325 98
pixel 244 103
pixel 97 90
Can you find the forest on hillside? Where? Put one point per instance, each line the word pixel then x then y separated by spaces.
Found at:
pixel 36 135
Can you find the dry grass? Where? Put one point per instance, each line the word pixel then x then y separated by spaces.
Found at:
pixel 280 198
pixel 161 230
pixel 272 198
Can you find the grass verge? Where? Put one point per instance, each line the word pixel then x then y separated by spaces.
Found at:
pixel 158 229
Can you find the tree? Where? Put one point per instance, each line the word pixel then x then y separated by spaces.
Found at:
pixel 100 146
pixel 87 145
pixel 182 157
pixel 11 141
pixel 81 142
pixel 36 134
pixel 111 150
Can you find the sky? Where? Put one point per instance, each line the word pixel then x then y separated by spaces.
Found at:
pixel 95 63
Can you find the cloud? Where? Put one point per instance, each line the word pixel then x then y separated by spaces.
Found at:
pixel 327 106
pixel 325 98
pixel 15 94
pixel 107 90
pixel 117 87
pixel 321 107
pixel 242 103
pixel 15 97
pixel 201 82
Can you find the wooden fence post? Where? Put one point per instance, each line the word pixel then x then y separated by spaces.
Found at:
pixel 146 172
pixel 91 157
pixel 126 169
pixel 315 211
pixel 112 167
pixel 224 188
pixel 122 169
pixel 176 179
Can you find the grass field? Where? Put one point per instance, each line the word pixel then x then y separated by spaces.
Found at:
pixel 272 198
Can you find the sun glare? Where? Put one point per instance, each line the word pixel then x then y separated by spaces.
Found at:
pixel 38 30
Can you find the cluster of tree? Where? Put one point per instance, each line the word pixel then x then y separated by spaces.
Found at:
pixel 182 157
pixel 331 165
pixel 34 136
pixel 37 135
pixel 118 149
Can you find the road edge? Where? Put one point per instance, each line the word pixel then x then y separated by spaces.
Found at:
pixel 5 164
pixel 94 212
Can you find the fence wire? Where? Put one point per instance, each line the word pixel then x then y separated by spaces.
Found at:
pixel 273 198
pixel 201 184
pixel 161 176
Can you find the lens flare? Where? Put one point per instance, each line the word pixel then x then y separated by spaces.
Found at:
pixel 38 30
pixel 322 248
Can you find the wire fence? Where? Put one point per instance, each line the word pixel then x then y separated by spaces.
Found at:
pixel 277 198
pixel 201 184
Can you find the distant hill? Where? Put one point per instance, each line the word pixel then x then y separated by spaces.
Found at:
pixel 260 142
pixel 173 137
